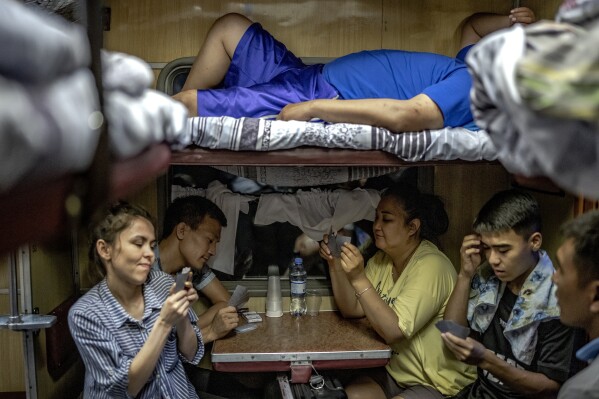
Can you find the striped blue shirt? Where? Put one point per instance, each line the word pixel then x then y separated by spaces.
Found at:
pixel 108 339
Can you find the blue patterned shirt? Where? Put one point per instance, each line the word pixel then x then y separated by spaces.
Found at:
pixel 108 339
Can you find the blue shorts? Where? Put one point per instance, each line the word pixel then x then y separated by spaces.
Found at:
pixel 263 77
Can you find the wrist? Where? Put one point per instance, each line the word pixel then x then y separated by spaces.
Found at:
pixel 486 361
pixel 207 334
pixel 162 325
pixel 465 277
pixel 360 284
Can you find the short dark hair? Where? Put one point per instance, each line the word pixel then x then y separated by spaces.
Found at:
pixel 191 210
pixel 428 208
pixel 509 210
pixel 584 232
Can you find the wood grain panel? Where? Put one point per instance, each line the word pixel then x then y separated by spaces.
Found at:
pixel 555 210
pixel 160 31
pixel 464 189
pixel 12 378
pixel 432 25
pixel 3 273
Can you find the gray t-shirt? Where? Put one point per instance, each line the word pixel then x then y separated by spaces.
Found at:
pixel 585 384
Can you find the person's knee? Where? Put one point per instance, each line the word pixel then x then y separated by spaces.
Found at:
pixel 232 21
pixel 189 98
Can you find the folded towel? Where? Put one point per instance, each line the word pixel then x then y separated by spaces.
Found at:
pixel 536 303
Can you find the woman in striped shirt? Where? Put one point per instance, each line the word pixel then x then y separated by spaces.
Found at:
pixel 132 330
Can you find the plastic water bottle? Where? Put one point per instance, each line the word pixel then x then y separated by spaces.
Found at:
pixel 297 278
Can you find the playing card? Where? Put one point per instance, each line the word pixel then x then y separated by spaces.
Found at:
pixel 181 278
pixel 335 250
pixel 239 297
pixel 252 317
pixel 453 327
pixel 245 328
pixel 336 243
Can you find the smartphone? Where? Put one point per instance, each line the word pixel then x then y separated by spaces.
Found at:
pixel 181 278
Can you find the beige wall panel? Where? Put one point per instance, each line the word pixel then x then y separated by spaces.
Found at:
pixel 12 378
pixel 160 31
pixel 52 283
pixel 3 272
pixel 432 25
pixel 464 189
pixel 555 210
pixel 51 277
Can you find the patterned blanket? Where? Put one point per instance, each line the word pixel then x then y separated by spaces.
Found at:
pixel 253 134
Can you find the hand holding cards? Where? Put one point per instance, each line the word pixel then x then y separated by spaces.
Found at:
pixel 181 278
pixel 239 297
pixel 335 244
pixel 453 327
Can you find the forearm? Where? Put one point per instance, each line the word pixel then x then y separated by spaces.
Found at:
pixel 144 363
pixel 206 318
pixel 187 340
pixel 479 25
pixel 382 317
pixel 208 334
pixel 344 292
pixel 526 382
pixel 416 114
pixel 486 23
pixel 457 306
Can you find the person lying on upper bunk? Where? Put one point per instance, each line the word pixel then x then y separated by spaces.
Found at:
pixel 577 281
pixel 241 70
pixel 191 230
pixel 402 291
pixel 508 300
pixel 133 329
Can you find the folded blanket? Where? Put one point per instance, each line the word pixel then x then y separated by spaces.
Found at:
pixel 529 142
pixel 579 12
pixel 561 77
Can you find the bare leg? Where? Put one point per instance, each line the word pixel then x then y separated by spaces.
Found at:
pixel 214 57
pixel 364 388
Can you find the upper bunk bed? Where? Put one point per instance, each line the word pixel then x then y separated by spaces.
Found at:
pixel 235 141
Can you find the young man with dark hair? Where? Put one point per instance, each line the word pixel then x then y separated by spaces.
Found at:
pixel 192 227
pixel 577 281
pixel 517 341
